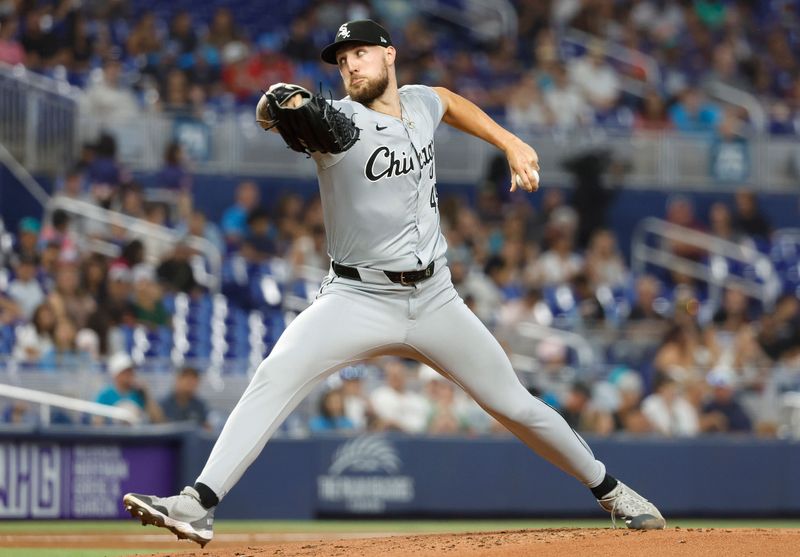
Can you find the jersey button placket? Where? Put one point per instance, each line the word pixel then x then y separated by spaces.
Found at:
pixel 418 171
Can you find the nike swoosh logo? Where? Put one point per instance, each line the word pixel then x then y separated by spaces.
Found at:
pixel 380 128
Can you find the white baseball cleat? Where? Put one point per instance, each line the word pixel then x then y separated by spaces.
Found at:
pixel 637 512
pixel 182 514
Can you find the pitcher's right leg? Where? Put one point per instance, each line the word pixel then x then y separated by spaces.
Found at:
pixel 342 326
pixel 338 328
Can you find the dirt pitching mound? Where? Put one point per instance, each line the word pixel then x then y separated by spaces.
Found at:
pixel 673 542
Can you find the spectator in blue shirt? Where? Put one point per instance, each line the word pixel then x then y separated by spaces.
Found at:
pixel 331 414
pixel 693 113
pixel 27 244
pixel 127 391
pixel 234 219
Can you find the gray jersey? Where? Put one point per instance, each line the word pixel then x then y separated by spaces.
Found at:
pixel 379 197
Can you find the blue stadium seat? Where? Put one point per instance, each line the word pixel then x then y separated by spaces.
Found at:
pixel 276 324
pixel 7 339
pixel 561 301
pixel 237 335
pixel 160 343
pixel 266 291
pixel 616 303
pixel 199 310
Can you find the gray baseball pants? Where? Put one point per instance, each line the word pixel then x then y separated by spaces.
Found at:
pixel 350 321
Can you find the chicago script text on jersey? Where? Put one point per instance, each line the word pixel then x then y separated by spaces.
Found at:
pixel 385 162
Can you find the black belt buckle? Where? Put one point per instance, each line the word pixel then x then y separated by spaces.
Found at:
pixel 415 276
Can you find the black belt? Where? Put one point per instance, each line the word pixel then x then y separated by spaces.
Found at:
pixel 405 278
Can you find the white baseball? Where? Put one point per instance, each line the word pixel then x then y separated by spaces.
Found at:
pixel 535 177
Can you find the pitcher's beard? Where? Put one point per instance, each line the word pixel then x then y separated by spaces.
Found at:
pixel 373 89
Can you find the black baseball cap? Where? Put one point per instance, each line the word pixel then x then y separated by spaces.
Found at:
pixel 357 31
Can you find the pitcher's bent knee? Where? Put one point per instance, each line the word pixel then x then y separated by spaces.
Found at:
pixel 277 376
pixel 526 412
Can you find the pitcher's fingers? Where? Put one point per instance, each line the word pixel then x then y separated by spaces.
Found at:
pixel 519 181
pixel 533 176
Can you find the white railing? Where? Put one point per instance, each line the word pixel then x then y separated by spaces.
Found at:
pixel 47 400
pixel 629 56
pixel 636 58
pixel 24 177
pixel 141 228
pixel 657 159
pixel 586 359
pixel 488 19
pixel 137 227
pixel 738 97
pixel 715 272
pixel 38 118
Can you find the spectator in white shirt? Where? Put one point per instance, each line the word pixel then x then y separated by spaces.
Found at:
pixel 107 99
pixel 596 79
pixel 25 290
pixel 669 412
pixel 565 101
pixel 559 264
pixel 525 108
pixel 397 407
pixel 35 339
pixel 662 19
pixel 604 263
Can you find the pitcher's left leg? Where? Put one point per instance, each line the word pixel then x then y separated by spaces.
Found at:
pixel 450 337
pixel 456 342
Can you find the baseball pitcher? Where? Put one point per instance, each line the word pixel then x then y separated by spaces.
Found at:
pixel 389 290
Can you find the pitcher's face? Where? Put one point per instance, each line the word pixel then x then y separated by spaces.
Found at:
pixel 364 70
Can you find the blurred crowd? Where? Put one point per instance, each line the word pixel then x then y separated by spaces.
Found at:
pixel 675 360
pixel 647 64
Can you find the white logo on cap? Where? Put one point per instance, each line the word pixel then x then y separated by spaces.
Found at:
pixel 383 40
pixel 344 32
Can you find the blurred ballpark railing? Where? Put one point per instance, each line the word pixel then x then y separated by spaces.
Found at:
pixel 46 401
pixel 735 265
pixel 206 263
pixel 233 144
pixel 574 41
pixel 38 119
pixel 42 126
pixel 21 382
pixel 228 144
pixel 488 20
